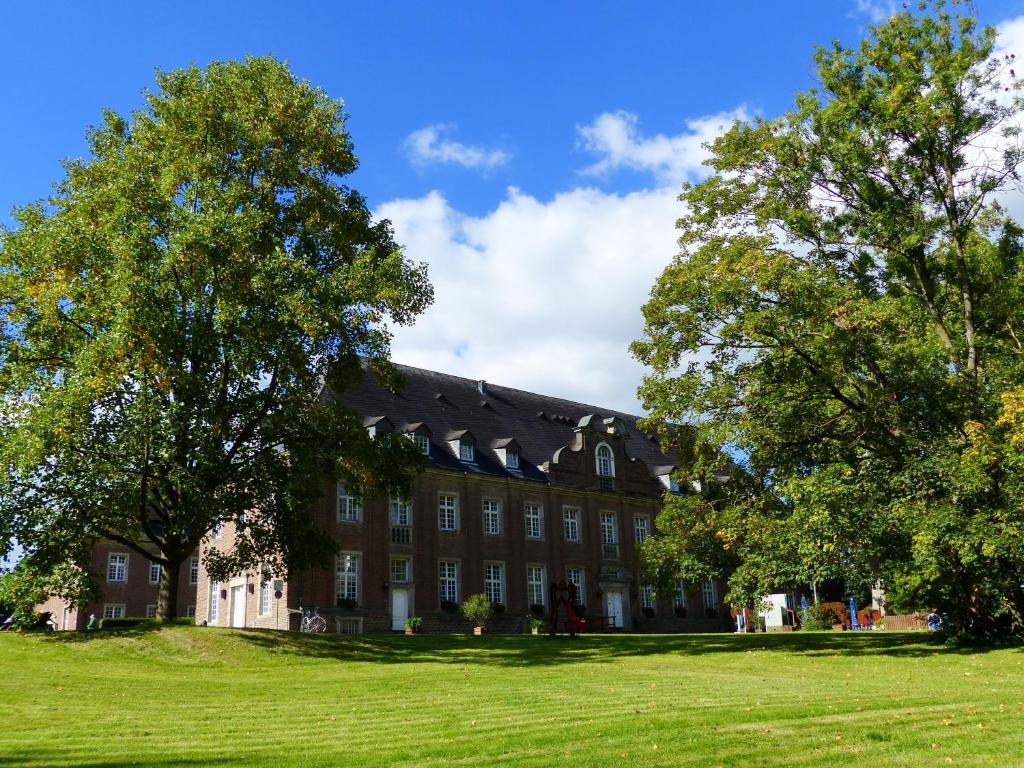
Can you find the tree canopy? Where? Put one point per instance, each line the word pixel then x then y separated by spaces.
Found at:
pixel 171 315
pixel 846 313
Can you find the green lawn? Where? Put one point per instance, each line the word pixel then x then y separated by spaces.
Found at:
pixel 190 696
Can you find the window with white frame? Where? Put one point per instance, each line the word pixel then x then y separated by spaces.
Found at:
pixel 193 571
pixel 117 567
pixel 574 576
pixel 214 602
pixel 710 595
pixel 218 529
pixel 534 521
pixel 609 535
pixel 604 461
pixel 494 582
pixel 266 593
pixel 190 612
pixel 350 509
pixel 346 580
pixel 447 512
pixel 150 611
pixel 641 528
pixel 492 517
pixel 571 521
pixel 679 594
pixel 647 597
pixel 154 572
pixel 423 443
pixel 401 511
pixel 400 570
pixel 448 581
pixel 112 611
pixel 466 452
pixel 512 459
pixel 535 585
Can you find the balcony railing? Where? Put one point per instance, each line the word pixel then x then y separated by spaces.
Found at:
pixel 610 551
pixel 401 534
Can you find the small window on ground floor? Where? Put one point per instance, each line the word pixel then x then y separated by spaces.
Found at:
pixel 113 611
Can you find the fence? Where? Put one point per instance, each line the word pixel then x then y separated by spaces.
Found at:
pixel 906 621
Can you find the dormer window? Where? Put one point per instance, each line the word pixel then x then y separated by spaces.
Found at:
pixel 423 443
pixel 507 451
pixel 463 445
pixel 604 460
pixel 512 459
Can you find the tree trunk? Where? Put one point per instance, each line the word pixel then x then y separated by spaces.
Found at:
pixel 167 593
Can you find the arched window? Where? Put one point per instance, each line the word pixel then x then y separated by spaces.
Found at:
pixel 605 461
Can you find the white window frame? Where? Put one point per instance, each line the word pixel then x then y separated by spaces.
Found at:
pixel 422 442
pixel 448 579
pixel 407 577
pixel 571 517
pixel 604 460
pixel 213 611
pixel 218 529
pixel 193 571
pixel 154 567
pixel 679 594
pixel 647 597
pixel 117 570
pixel 641 528
pixel 534 519
pixel 113 611
pixel 190 612
pixel 350 507
pixel 494 587
pixel 512 459
pixel 491 510
pixel 443 510
pixel 536 582
pixel 609 528
pixel 400 508
pixel 581 591
pixel 709 594
pixel 347 572
pixel 266 595
pixel 150 611
pixel 467 452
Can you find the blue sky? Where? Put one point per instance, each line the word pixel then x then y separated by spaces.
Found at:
pixel 528 152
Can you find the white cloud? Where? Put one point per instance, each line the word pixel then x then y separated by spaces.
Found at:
pixel 427 146
pixel 672 159
pixel 876 11
pixel 539 295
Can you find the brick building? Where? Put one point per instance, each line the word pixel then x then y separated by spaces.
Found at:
pixel 128 587
pixel 520 490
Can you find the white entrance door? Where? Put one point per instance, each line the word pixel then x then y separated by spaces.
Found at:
pixel 613 606
pixel 399 608
pixel 238 606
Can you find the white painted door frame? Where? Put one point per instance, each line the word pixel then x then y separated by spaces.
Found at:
pixel 399 607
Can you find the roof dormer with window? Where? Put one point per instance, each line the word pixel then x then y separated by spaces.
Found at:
pixel 463 445
pixel 508 452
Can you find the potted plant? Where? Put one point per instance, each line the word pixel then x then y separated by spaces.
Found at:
pixel 413 625
pixel 536 625
pixel 478 610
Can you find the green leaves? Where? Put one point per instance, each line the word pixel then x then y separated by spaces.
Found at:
pixel 172 314
pixel 846 312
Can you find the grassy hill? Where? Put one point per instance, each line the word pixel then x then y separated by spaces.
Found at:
pixel 190 696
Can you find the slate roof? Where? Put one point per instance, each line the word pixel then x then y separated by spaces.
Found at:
pixel 448 405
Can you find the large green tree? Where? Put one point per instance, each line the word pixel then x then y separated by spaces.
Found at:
pixel 171 316
pixel 847 311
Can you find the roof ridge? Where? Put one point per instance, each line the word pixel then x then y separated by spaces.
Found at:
pixel 595 409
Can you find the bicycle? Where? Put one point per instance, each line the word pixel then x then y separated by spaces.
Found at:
pixel 311 620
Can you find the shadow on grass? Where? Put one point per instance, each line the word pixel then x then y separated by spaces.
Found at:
pixel 530 650
pixel 36 757
pixel 527 650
